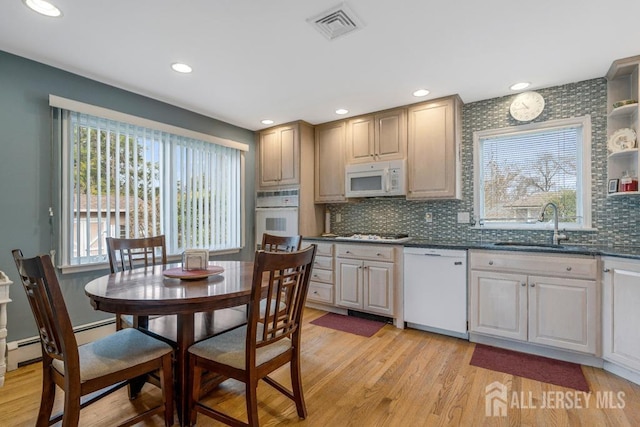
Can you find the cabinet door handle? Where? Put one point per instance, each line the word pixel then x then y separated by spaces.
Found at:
pixel 523 284
pixel 533 285
pixel 490 262
pixel 606 270
pixel 347 252
pixel 378 254
pixel 569 268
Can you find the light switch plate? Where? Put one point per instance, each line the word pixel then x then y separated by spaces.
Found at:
pixel 463 218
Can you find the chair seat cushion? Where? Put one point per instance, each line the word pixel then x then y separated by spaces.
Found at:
pixel 229 348
pixel 126 348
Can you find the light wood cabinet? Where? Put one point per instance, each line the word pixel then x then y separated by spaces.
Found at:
pixel 548 300
pixel 279 151
pixel 434 135
pixel 377 137
pixel 499 304
pixel 365 278
pixel 285 156
pixel 620 314
pixel 623 84
pixel 329 163
pixel 321 285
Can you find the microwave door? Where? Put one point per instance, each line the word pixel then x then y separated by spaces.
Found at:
pixel 366 183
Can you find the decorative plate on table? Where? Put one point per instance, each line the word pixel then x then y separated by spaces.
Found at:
pixel 179 273
pixel 622 139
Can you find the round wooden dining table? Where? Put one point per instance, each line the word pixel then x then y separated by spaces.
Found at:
pixel 147 291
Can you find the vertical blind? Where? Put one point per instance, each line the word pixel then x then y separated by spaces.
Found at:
pixel 125 180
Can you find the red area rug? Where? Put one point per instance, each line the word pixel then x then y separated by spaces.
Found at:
pixel 351 324
pixel 558 372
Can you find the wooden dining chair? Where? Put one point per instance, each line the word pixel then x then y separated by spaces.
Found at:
pixel 251 352
pixel 272 243
pixel 104 365
pixel 126 254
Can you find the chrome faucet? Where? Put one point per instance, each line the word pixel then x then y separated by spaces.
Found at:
pixel 557 237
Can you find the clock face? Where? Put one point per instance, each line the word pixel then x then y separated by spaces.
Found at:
pixel 526 106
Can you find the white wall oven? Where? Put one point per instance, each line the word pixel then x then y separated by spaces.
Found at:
pixel 276 213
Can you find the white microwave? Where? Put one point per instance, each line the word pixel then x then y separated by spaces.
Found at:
pixel 376 179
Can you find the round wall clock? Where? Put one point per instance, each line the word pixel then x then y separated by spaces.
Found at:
pixel 526 106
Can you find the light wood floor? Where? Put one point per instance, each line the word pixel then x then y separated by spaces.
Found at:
pixel 395 378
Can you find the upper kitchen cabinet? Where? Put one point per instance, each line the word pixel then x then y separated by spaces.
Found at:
pixel 279 154
pixel 377 137
pixel 329 163
pixel 433 158
pixel 622 125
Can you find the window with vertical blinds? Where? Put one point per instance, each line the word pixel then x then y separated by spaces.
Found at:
pixel 125 180
pixel 520 169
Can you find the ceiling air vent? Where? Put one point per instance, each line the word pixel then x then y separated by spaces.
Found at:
pixel 336 22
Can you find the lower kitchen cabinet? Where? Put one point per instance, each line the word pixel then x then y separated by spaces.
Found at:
pixel 499 304
pixel 363 283
pixel 541 299
pixel 620 313
pixel 321 284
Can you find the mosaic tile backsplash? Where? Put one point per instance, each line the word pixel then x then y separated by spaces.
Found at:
pixel 615 220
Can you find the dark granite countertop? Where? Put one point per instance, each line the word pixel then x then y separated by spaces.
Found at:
pixel 632 252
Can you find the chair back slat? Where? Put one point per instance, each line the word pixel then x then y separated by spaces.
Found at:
pixel 272 243
pixel 126 254
pixel 283 279
pixel 45 298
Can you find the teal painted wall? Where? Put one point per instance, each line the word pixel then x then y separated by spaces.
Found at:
pixel 25 170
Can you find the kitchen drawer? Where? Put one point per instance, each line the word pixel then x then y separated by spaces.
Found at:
pixel 323 262
pixel 320 292
pixel 378 253
pixel 320 275
pixel 571 266
pixel 323 249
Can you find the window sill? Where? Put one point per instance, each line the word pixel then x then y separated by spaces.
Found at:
pixel 71 269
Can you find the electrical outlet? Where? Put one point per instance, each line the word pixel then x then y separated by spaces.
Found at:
pixel 428 217
pixel 338 217
pixel 464 217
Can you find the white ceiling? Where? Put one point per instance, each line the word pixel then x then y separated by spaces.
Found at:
pixel 256 59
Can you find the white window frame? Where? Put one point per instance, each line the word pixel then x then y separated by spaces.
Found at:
pixel 71 105
pixel 583 172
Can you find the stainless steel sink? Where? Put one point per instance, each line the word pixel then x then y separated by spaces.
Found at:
pixel 528 244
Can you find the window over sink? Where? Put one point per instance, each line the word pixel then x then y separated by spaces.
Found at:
pixel 517 170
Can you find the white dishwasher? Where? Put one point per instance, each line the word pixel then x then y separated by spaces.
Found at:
pixel 435 290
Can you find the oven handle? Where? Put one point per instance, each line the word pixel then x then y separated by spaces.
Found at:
pixel 285 209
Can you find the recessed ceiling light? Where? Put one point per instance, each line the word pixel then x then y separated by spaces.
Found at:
pixel 267 122
pixel 43 7
pixel 421 92
pixel 341 111
pixel 519 86
pixel 181 68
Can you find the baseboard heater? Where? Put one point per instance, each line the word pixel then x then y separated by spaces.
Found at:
pixel 28 350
